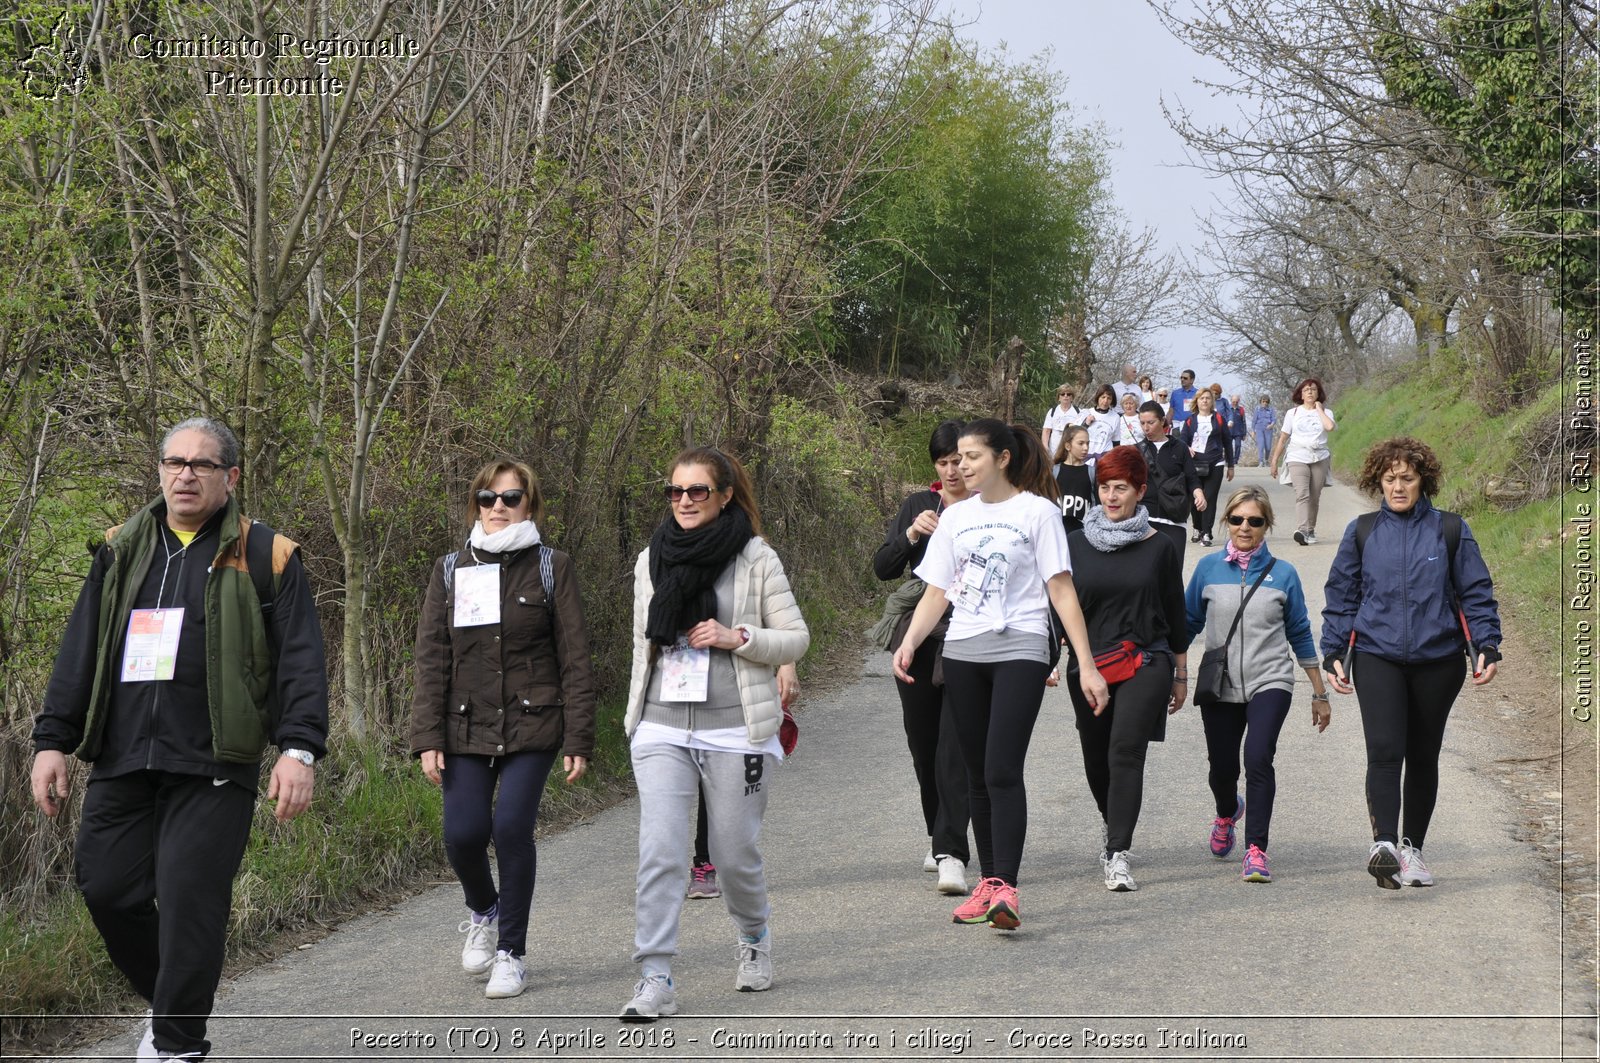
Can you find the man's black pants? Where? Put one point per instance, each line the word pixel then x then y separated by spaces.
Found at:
pixel 156 856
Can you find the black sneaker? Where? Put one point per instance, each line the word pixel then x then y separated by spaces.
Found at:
pixel 1300 537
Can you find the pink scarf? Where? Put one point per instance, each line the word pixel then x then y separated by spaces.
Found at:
pixel 1235 556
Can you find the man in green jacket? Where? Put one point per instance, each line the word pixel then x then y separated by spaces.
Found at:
pixel 193 645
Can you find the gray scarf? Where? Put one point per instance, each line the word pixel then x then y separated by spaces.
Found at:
pixel 1106 535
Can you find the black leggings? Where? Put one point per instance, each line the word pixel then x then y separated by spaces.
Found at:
pixel 1256 724
pixel 473 815
pixel 1403 712
pixel 1211 486
pixel 1115 741
pixel 935 755
pixel 995 706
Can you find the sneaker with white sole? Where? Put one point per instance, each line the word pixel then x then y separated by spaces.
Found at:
pixel 477 952
pixel 1413 872
pixel 755 963
pixel 952 876
pixel 147 1043
pixel 1383 864
pixel 1311 538
pixel 653 997
pixel 508 978
pixel 1118 878
pixel 930 863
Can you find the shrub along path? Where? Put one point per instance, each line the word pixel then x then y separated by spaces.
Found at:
pixel 1320 963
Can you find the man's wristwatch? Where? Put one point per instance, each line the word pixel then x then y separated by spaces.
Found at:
pixel 304 756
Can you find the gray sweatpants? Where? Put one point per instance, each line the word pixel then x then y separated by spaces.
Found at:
pixel 669 779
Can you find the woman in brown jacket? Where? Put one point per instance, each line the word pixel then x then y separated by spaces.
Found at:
pixel 504 682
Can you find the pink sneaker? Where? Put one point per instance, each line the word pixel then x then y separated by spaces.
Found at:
pixel 1223 833
pixel 703 882
pixel 975 909
pixel 1005 913
pixel 1255 866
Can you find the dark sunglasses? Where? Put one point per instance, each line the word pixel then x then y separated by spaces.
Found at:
pixel 512 498
pixel 696 493
pixel 1255 522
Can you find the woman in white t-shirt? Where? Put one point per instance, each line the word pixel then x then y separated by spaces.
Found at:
pixel 1102 424
pixel 1000 559
pixel 1303 445
pixel 1129 434
pixel 1064 413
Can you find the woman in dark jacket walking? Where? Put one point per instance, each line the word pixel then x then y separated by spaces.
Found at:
pixel 504 684
pixel 1407 597
pixel 1206 436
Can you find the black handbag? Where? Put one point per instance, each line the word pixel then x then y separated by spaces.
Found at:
pixel 1212 677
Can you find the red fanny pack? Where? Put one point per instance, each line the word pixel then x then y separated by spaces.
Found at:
pixel 1118 664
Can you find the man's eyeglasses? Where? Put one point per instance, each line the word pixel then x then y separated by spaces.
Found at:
pixel 696 492
pixel 1255 522
pixel 199 466
pixel 512 498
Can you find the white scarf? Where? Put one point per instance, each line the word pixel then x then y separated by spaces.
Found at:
pixel 518 536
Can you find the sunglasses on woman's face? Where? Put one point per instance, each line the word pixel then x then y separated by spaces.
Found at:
pixel 512 498
pixel 696 492
pixel 1255 522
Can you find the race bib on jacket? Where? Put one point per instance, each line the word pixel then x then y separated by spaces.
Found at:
pixel 477 595
pixel 685 672
pixel 150 652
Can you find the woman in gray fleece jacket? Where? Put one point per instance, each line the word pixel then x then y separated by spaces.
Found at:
pixel 1260 683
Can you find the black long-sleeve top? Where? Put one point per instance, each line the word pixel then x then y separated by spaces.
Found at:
pixel 896 556
pixel 1134 594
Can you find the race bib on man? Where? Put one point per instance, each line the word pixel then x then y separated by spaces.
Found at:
pixel 150 651
pixel 477 595
pixel 685 672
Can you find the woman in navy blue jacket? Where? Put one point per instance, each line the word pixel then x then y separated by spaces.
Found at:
pixel 1391 632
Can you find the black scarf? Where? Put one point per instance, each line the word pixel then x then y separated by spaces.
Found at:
pixel 684 566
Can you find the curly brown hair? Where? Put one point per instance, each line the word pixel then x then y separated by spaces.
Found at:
pixel 1386 453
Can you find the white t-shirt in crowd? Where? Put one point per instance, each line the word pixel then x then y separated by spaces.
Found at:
pixel 992 562
pixel 1308 440
pixel 1202 434
pixel 1056 420
pixel 1129 432
pixel 1103 432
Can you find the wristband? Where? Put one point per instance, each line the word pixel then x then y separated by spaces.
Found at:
pixel 1319 697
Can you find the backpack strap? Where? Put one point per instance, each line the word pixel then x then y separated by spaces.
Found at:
pixel 258 548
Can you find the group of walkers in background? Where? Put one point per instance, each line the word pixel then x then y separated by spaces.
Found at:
pixel 1011 560
pixel 997 590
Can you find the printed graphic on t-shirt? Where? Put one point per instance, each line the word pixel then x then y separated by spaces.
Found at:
pixel 982 567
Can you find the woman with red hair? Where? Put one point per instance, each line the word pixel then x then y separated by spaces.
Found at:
pixel 1303 444
pixel 1130 586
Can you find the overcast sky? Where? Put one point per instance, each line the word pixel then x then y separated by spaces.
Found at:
pixel 1120 64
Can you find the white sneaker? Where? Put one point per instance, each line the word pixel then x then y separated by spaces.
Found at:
pixel 755 963
pixel 1413 872
pixel 952 876
pixel 930 863
pixel 1311 538
pixel 1383 864
pixel 477 953
pixel 1118 878
pixel 509 977
pixel 147 1043
pixel 653 997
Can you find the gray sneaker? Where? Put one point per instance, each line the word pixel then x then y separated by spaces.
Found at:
pixel 653 997
pixel 1118 878
pixel 755 963
pixel 952 876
